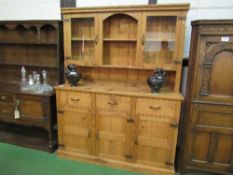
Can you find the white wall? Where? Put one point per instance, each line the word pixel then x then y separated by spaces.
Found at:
pixel 50 9
pixel 203 9
pixel 29 9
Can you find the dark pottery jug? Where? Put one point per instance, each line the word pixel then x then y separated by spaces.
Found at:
pixel 72 75
pixel 156 80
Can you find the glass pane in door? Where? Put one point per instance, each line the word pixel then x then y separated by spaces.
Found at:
pixel 159 40
pixel 83 39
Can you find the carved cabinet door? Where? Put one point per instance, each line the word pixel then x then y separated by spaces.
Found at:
pixel 215 70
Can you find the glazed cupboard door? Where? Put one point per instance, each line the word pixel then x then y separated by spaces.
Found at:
pixel 113 126
pixel 119 39
pixel 157 132
pixel 82 40
pixel 76 124
pixel 210 141
pixel 160 39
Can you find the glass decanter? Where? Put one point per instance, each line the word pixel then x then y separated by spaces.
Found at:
pixel 30 83
pixel 38 86
pixel 46 87
pixel 24 83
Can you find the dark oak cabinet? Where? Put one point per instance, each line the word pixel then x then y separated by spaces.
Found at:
pixel 36 45
pixel 208 125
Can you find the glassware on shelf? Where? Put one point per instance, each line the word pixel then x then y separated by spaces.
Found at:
pixel 46 87
pixel 30 83
pixel 33 84
pixel 34 76
pixel 24 82
pixel 38 85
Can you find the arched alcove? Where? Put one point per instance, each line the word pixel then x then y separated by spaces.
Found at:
pixel 221 75
pixel 48 34
pixel 120 40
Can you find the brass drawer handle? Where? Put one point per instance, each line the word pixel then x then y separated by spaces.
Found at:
pixel 128 156
pixel 155 107
pixel 113 103
pixel 60 111
pixel 130 120
pixel 75 99
pixel 3 97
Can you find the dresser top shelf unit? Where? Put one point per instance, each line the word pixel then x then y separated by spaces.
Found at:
pixel 134 8
pixel 33 44
pixel 130 40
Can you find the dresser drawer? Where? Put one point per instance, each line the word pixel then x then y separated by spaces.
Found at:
pixel 6 98
pixel 113 105
pixel 6 110
pixel 77 101
pixel 155 107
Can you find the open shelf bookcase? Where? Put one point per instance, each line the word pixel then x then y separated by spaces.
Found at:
pixel 36 45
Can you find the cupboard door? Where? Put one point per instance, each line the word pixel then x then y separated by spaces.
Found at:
pixel 214 79
pixel 211 138
pixel 40 113
pixel 119 39
pixel 160 39
pixel 157 132
pixel 76 132
pixel 82 39
pixel 113 126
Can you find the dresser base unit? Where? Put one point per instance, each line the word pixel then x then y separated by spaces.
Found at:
pixel 114 163
pixel 130 129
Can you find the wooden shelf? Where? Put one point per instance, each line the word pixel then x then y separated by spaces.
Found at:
pixel 30 65
pixel 18 43
pixel 119 40
pixel 122 88
pixel 81 39
pixel 165 67
pixel 159 40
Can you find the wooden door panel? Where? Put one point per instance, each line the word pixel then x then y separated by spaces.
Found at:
pixel 221 83
pixel 214 80
pixel 77 132
pixel 224 150
pixel 211 151
pixel 201 144
pixel 213 116
pixel 112 137
pixel 211 137
pixel 32 107
pixel 155 142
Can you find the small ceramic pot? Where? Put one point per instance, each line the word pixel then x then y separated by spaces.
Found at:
pixel 156 80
